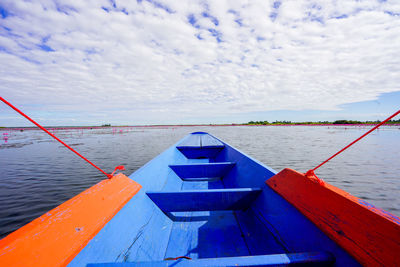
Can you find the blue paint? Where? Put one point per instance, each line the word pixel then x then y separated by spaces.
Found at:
pixel 201 179
pixel 205 234
pixel 308 258
pixel 197 146
pixel 193 140
pixel 256 233
pixel 200 170
pixel 200 152
pixel 205 200
pixel 209 141
pixel 207 209
pixel 131 234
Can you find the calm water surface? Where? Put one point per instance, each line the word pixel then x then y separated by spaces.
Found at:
pixel 37 173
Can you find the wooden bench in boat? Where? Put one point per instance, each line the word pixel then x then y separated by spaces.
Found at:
pixel 205 200
pixel 200 145
pixel 202 171
pixel 303 259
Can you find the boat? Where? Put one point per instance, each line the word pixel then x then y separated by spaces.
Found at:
pixel 204 203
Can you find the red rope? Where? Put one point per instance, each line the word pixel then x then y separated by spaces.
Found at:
pixel 120 167
pixel 311 172
pixel 55 137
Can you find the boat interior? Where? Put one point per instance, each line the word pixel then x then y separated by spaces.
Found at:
pixel 204 203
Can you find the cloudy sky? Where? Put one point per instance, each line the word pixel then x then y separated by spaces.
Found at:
pixel 152 62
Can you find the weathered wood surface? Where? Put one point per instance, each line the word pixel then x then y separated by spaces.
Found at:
pixel 205 234
pixel 140 230
pixel 205 200
pixel 202 170
pixel 369 234
pixel 57 236
pixel 306 258
pixel 200 152
pixel 210 141
pixel 200 145
pixel 193 140
pixel 200 140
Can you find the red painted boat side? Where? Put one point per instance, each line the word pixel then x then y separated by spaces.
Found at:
pixel 369 234
pixel 56 237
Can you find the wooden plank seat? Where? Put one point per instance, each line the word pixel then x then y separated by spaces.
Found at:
pixel 200 145
pixel 200 171
pixel 205 200
pixel 303 259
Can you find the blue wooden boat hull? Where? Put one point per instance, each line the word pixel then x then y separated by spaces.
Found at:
pixel 204 203
pixel 204 199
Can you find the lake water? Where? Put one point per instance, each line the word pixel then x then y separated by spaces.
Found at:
pixel 38 173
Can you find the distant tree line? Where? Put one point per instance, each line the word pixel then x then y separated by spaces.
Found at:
pixel 319 122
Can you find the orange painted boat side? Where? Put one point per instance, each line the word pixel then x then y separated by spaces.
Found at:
pixel 369 234
pixel 56 237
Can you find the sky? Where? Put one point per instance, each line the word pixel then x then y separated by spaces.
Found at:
pixel 187 62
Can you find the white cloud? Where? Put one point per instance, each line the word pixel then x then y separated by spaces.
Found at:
pixel 154 62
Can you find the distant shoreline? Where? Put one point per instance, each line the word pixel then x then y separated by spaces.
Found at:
pixel 187 125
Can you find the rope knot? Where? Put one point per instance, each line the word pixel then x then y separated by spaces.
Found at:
pixel 120 167
pixel 312 176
